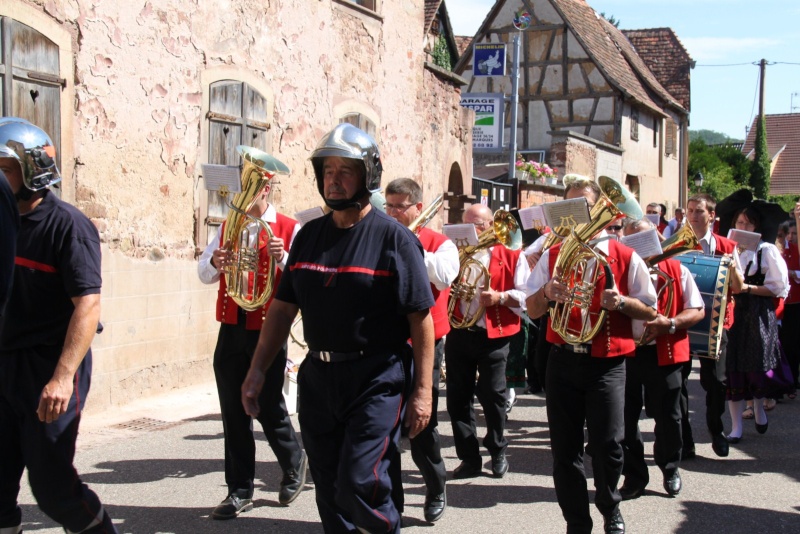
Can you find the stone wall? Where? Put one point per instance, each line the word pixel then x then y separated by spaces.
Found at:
pixel 135 131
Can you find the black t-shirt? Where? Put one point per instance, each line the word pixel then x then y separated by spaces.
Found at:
pixel 355 286
pixel 58 258
pixel 9 226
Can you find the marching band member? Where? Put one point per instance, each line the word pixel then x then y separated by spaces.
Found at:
pixel 484 348
pixel 701 214
pixel 656 372
pixel 238 335
pixel 585 383
pixel 356 380
pixel 404 204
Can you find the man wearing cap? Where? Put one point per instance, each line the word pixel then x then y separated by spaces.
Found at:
pixel 360 281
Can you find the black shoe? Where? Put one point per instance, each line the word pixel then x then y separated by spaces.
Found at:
pixel 434 506
pixel 673 484
pixel 231 507
pixel 499 465
pixel 613 523
pixel 720 445
pixel 629 492
pixel 688 454
pixel 293 481
pixel 510 404
pixel 762 429
pixel 732 440
pixel 467 470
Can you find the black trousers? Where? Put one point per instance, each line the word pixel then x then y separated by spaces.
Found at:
pixel 715 384
pixel 351 417
pixel 790 337
pixel 45 449
pixel 235 346
pixel 582 390
pixel 686 424
pixel 467 352
pixel 661 386
pixel 426 448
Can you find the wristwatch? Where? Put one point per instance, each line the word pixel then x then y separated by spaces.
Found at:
pixel 620 304
pixel 503 298
pixel 672 326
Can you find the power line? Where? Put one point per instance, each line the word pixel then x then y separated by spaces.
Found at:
pixel 756 63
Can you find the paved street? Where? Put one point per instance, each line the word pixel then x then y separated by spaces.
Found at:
pixel 157 466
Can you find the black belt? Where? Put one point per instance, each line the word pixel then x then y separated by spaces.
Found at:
pixel 585 348
pixel 334 357
pixel 474 329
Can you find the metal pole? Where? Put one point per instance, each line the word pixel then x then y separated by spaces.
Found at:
pixel 512 142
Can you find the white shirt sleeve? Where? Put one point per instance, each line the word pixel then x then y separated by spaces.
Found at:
pixel 536 246
pixel 281 264
pixel 521 274
pixel 207 273
pixel 774 268
pixel 640 286
pixel 540 275
pixel 442 265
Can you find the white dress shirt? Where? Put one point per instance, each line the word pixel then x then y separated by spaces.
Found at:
pixel 521 273
pixel 639 284
pixel 772 265
pixel 442 265
pixel 209 274
pixel 709 244
pixel 692 299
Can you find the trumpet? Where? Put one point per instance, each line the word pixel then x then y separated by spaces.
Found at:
pixel 473 277
pixel 427 215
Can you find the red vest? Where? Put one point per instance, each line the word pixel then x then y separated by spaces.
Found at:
pixel 431 241
pixel 500 320
pixel 792 258
pixel 672 348
pixel 227 309
pixel 726 246
pixel 615 337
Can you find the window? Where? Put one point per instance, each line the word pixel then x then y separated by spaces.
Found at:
pixel 671 137
pixel 656 124
pixel 368 4
pixel 634 124
pixel 360 121
pixel 30 86
pixel 237 115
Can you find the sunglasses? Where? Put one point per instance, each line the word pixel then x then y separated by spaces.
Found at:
pixel 615 228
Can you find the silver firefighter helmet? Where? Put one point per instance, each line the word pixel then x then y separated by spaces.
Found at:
pixel 347 141
pixel 33 149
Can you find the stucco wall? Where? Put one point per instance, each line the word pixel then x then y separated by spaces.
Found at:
pixel 137 92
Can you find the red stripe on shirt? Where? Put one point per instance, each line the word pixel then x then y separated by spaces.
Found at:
pixel 24 262
pixel 334 270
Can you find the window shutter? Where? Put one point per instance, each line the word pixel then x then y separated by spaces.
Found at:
pixel 671 137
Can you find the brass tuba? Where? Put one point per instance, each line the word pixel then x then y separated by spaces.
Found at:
pixel 473 277
pixel 245 272
pixel 683 240
pixel 578 273
pixel 427 215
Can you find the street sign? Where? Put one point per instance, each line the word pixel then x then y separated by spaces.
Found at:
pixel 489 59
pixel 487 131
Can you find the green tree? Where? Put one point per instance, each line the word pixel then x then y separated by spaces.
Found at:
pixel 760 170
pixel 725 169
pixel 712 137
pixel 614 22
pixel 441 54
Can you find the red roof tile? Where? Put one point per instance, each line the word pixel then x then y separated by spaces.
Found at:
pixel 783 140
pixel 431 7
pixel 667 58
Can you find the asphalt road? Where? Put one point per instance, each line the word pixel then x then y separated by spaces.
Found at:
pixel 157 466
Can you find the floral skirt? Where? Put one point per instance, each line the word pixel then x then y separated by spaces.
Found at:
pixel 761 384
pixel 753 344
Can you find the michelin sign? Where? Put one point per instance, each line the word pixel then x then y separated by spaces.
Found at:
pixel 487 131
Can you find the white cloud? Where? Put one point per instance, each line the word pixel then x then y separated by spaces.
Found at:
pixel 725 48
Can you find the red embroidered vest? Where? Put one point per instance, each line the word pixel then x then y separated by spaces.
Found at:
pixel 227 309
pixel 726 246
pixel 500 320
pixel 615 337
pixel 431 241
pixel 792 258
pixel 672 348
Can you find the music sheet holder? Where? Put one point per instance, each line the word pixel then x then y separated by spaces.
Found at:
pixel 222 178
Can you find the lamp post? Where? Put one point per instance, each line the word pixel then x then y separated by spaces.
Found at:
pixel 698 180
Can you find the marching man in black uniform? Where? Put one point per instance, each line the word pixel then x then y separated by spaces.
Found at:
pixel 45 357
pixel 359 280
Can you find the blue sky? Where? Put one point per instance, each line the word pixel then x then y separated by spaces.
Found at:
pixel 715 32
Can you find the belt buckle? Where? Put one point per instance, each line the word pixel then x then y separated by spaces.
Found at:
pixel 580 349
pixel 325 356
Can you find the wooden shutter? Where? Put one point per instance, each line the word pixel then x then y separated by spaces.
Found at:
pixel 671 137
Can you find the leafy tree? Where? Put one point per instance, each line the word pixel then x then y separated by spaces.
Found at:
pixel 725 169
pixel 712 137
pixel 441 54
pixel 760 173
pixel 614 22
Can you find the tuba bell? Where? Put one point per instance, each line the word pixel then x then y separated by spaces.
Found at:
pixel 473 277
pixel 683 240
pixel 579 274
pixel 249 282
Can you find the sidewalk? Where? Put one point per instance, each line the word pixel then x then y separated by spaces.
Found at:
pixel 157 464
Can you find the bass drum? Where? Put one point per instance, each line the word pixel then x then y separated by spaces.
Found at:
pixel 711 274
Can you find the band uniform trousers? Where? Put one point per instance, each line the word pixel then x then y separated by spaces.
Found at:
pixel 466 352
pixel 663 386
pixel 46 449
pixel 351 420
pixel 426 449
pixel 583 389
pixel 715 384
pixel 235 347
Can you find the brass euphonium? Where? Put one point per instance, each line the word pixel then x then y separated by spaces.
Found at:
pixel 427 214
pixel 473 277
pixel 683 240
pixel 578 273
pixel 249 282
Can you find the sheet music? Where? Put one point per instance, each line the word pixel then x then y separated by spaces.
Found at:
pixel 309 215
pixel 646 244
pixel 532 217
pixel 567 212
pixel 746 240
pixel 654 218
pixel 218 177
pixel 461 234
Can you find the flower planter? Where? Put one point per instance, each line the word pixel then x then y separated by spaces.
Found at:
pixel 521 175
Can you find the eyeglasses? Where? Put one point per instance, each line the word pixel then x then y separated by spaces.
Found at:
pixel 479 223
pixel 615 228
pixel 397 207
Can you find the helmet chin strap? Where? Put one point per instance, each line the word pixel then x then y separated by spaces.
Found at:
pixel 348 203
pixel 24 194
